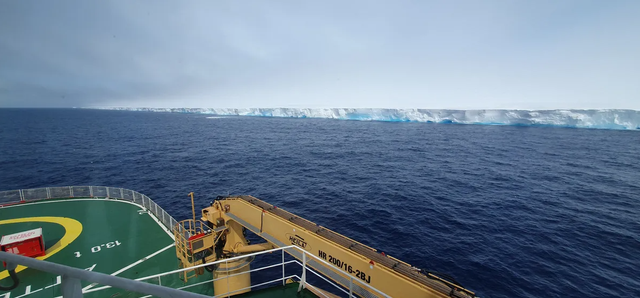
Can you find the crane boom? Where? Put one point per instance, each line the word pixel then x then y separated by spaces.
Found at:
pixel 356 260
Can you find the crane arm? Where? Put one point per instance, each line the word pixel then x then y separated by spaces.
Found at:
pixel 356 260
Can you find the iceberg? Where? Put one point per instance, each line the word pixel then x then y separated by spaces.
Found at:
pixel 600 119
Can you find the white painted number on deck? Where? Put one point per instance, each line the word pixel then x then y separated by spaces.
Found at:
pixel 111 244
pixel 77 254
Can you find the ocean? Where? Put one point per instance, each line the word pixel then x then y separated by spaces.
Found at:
pixel 508 211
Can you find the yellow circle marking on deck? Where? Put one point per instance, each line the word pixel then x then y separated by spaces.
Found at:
pixel 72 227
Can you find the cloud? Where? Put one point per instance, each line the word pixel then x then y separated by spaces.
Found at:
pixel 397 54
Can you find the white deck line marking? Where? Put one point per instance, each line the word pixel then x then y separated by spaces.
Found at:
pixel 103 199
pixel 114 200
pixel 27 291
pixel 133 264
pixel 58 281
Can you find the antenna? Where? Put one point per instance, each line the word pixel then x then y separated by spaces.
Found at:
pixel 193 208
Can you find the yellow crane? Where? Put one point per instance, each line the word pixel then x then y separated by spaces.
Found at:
pixel 220 233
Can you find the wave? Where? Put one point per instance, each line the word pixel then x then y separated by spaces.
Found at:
pixel 600 119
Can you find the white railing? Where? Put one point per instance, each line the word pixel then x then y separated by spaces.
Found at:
pixel 11 197
pixel 69 279
pixel 348 290
pixel 355 286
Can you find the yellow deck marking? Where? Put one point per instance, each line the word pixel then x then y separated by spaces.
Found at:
pixel 72 227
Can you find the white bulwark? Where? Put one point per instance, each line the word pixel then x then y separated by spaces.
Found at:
pixel 21 236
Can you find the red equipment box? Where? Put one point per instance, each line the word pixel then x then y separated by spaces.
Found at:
pixel 28 243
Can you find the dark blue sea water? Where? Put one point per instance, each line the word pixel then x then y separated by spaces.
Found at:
pixel 508 211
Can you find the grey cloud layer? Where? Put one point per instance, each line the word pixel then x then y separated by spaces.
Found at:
pixel 398 54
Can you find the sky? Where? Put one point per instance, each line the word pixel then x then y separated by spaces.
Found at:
pixel 453 54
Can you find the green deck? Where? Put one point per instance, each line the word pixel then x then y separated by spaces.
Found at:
pixel 116 237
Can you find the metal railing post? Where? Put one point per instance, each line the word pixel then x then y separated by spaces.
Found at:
pixel 303 278
pixel 48 193
pixel 71 191
pixel 350 286
pixel 91 191
pixel 107 188
pixel 71 287
pixel 283 282
pixel 226 265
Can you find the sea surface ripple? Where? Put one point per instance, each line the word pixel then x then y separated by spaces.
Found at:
pixel 508 211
